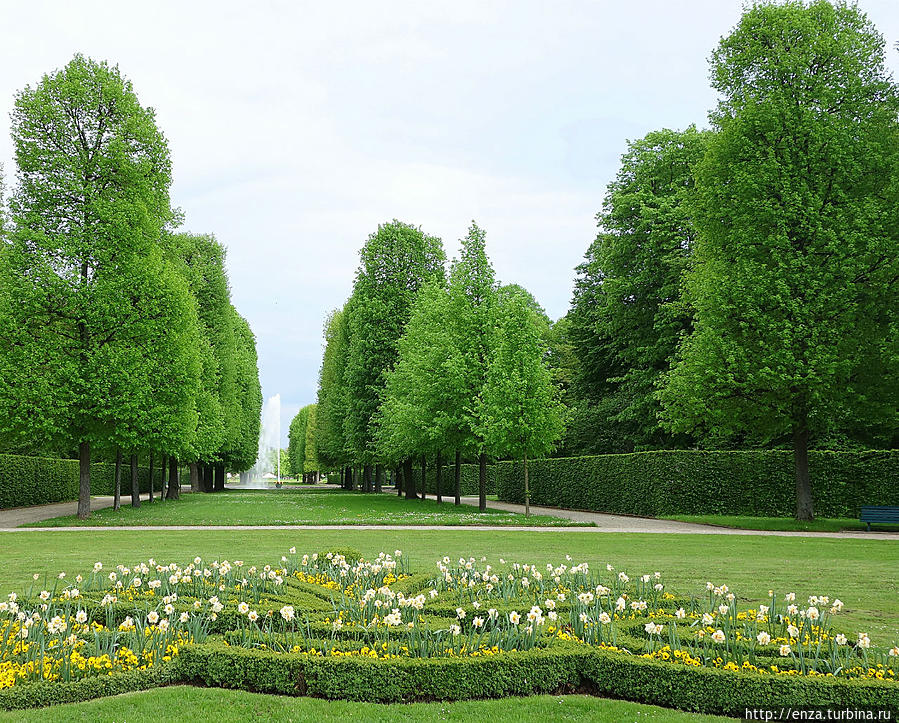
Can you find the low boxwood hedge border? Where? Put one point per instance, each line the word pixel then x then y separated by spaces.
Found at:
pixel 562 668
pixel 566 667
pixel 44 693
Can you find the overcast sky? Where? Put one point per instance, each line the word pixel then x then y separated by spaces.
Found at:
pixel 296 127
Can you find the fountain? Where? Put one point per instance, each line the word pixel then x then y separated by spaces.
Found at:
pixel 266 473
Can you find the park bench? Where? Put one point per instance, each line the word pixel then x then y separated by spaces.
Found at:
pixel 879 516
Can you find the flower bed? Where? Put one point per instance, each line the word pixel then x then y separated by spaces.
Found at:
pixel 331 625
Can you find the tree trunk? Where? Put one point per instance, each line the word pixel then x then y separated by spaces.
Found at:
pixel 458 479
pixel 194 477
pixel 84 480
pixel 398 480
pixel 408 481
pixel 527 491
pixel 366 478
pixel 379 478
pixel 135 483
pixel 482 482
pixel 804 505
pixel 117 490
pixel 424 476
pixel 174 491
pixel 220 477
pixel 165 466
pixel 150 498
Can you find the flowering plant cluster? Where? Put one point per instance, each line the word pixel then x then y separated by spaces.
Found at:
pixel 137 617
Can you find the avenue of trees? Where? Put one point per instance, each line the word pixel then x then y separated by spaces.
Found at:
pixel 117 334
pixel 742 291
pixel 422 369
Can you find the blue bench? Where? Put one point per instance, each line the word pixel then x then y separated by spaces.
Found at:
pixel 879 516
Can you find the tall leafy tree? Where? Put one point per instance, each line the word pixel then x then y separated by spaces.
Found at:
pixel 521 410
pixel 394 263
pixel 296 447
pixel 310 458
pixel 330 438
pixel 797 258
pixel 89 208
pixel 627 314
pixel 248 411
pixel 419 413
pixel 472 305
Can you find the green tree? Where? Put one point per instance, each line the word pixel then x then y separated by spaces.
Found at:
pixel 83 259
pixel 310 459
pixel 419 413
pixel 796 262
pixel 472 304
pixel 330 438
pixel 296 447
pixel 248 411
pixel 394 263
pixel 522 413
pixel 627 315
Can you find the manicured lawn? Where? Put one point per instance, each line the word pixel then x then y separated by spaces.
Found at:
pixel 835 524
pixel 300 506
pixel 862 573
pixel 183 703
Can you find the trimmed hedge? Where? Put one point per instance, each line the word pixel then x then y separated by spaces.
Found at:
pixel 563 668
pixel 44 693
pixel 26 481
pixel 758 483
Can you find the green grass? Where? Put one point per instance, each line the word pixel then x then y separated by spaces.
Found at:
pixel 183 703
pixel 300 506
pixel 862 573
pixel 835 524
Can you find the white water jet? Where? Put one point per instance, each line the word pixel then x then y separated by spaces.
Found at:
pixel 267 470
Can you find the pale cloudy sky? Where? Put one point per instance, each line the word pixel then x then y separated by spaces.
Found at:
pixel 296 127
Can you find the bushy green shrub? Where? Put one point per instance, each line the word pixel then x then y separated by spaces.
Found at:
pixel 657 483
pixel 28 481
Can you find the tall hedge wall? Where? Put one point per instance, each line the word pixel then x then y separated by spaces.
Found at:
pixel 759 483
pixel 40 480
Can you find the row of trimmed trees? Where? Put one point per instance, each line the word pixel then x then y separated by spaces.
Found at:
pixel 420 367
pixel 117 335
pixel 743 290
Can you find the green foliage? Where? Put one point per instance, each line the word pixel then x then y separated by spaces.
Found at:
pixel 472 308
pixel 330 440
pixel 521 413
pixel 248 411
pixel 87 302
pixel 296 448
pixel 795 283
pixel 395 262
pixel 310 458
pixel 757 483
pixel 627 315
pixel 418 406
